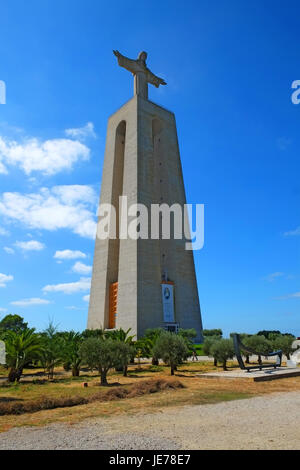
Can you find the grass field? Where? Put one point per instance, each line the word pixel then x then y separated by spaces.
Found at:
pixel 197 390
pixel 199 349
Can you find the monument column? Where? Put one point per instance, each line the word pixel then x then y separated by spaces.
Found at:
pixel 140 86
pixel 143 283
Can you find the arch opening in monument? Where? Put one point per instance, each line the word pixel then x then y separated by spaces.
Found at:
pixel 114 248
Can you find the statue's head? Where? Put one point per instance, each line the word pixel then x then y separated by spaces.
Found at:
pixel 142 56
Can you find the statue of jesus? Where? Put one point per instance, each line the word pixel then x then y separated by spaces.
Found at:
pixel 142 75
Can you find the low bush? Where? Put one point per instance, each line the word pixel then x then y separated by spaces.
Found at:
pixel 118 393
pixel 46 403
pixel 143 388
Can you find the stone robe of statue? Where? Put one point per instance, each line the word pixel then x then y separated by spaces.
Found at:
pixel 142 75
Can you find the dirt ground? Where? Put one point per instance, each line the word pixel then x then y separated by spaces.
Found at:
pixel 265 422
pixel 205 414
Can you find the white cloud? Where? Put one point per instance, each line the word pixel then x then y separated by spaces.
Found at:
pixel 86 298
pixel 9 250
pixel 69 254
pixel 289 296
pixel 3 310
pixel 4 278
pixel 283 143
pixel 48 157
pixel 82 285
pixel 70 207
pixel 293 233
pixel 3 231
pixel 31 245
pixel 72 307
pixel 81 268
pixel 82 133
pixel 273 276
pixel 30 302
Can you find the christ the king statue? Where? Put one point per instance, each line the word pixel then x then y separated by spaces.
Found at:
pixel 142 75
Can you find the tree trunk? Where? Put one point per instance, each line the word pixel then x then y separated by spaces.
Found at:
pixel 155 361
pixel 288 356
pixel 224 365
pixel 215 363
pixel 172 370
pixel 51 373
pixel 14 375
pixel 103 377
pixel 247 361
pixel 125 371
pixel 259 360
pixel 75 371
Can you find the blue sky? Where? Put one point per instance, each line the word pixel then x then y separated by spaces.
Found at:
pixel 229 66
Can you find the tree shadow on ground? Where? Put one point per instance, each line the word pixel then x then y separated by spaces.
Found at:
pixel 150 370
pixel 109 384
pixel 133 376
pixel 9 399
pixel 185 376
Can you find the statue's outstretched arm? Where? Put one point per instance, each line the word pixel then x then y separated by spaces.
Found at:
pixel 161 81
pixel 128 64
pixel 154 80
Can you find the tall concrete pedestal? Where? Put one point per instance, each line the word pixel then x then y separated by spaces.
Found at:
pixel 142 162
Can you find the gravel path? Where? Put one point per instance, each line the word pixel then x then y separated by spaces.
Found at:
pixel 268 422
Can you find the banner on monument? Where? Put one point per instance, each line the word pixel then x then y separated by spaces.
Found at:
pixel 168 302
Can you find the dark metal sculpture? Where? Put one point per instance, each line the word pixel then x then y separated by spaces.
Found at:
pixel 239 348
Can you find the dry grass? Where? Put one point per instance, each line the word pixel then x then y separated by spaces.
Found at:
pixel 15 406
pixel 196 390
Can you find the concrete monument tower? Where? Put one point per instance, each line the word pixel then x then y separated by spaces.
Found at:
pixel 143 283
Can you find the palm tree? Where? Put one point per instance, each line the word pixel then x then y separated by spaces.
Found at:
pixel 120 335
pixel 151 336
pixel 52 350
pixel 97 333
pixel 70 355
pixel 21 348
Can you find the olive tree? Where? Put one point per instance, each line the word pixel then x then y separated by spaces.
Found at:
pixel 284 342
pixel 207 345
pixel 124 353
pixel 214 332
pixel 171 348
pixel 103 354
pixel 222 350
pixel 259 344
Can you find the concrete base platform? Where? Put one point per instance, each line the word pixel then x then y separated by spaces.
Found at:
pixel 255 376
